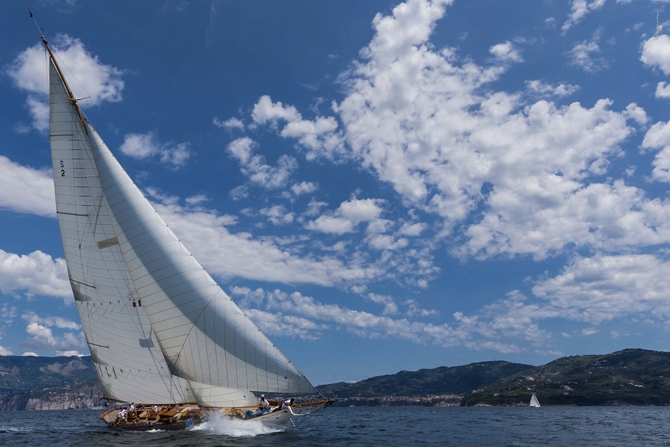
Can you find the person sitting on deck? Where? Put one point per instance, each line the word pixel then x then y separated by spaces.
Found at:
pixel 122 415
pixel 287 403
pixel 263 403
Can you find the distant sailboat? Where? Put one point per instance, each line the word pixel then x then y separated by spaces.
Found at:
pixel 534 402
pixel 160 330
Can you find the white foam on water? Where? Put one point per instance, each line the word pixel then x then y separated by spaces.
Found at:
pixel 237 428
pixel 156 430
pixel 10 429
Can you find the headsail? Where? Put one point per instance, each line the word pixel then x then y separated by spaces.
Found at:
pixel 124 349
pixel 204 335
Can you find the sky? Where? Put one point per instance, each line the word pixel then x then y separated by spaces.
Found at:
pixel 381 186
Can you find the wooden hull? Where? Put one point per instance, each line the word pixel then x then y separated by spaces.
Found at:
pixel 182 418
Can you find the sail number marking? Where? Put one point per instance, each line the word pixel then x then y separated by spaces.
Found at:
pixel 62 171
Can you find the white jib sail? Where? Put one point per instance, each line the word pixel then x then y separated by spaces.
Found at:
pixel 204 335
pixel 124 350
pixel 534 402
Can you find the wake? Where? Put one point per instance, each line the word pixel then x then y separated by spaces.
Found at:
pixel 223 425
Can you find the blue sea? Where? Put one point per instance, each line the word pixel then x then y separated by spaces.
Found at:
pixel 365 426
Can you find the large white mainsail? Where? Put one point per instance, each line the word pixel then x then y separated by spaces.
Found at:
pixel 159 328
pixel 124 349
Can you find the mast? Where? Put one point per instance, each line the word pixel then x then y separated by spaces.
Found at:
pixel 72 99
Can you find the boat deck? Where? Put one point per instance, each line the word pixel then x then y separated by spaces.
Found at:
pixel 183 417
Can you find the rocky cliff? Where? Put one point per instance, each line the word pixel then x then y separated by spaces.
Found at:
pixel 19 374
pixel 48 383
pixel 73 397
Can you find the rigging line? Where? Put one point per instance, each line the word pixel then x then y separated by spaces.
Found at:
pixel 40 30
pixel 72 97
pixel 78 82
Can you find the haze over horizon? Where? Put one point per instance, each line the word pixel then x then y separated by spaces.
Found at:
pixel 381 186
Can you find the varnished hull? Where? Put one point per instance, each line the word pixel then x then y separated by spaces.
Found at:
pixel 182 418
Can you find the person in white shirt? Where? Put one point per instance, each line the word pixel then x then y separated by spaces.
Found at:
pixel 263 403
pixel 288 403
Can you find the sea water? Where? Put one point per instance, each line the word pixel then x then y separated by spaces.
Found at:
pixel 365 426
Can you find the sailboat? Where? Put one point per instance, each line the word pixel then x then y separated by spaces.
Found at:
pixel 534 403
pixel 164 338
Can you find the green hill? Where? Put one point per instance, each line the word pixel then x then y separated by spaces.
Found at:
pixel 628 377
pixel 444 380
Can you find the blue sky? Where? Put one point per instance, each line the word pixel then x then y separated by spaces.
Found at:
pixel 381 186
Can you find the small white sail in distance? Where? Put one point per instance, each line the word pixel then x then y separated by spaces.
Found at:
pixel 534 402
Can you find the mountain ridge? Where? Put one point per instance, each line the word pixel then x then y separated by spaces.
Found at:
pixel 626 377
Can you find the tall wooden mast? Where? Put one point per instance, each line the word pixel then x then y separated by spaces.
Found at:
pixel 72 99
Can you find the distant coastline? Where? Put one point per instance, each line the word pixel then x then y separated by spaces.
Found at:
pixel 628 377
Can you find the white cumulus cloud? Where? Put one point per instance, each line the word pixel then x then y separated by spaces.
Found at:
pixel 605 287
pixel 663 90
pixel 347 216
pixel 146 145
pixel 26 190
pixel 43 339
pixel 34 274
pixel 656 53
pixel 579 9
pixel 255 167
pixel 318 137
pixel 206 235
pixel 88 76
pixel 586 55
pixel 541 88
pixel 506 52
pixel 230 123
pixel 658 137
pixel 359 323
